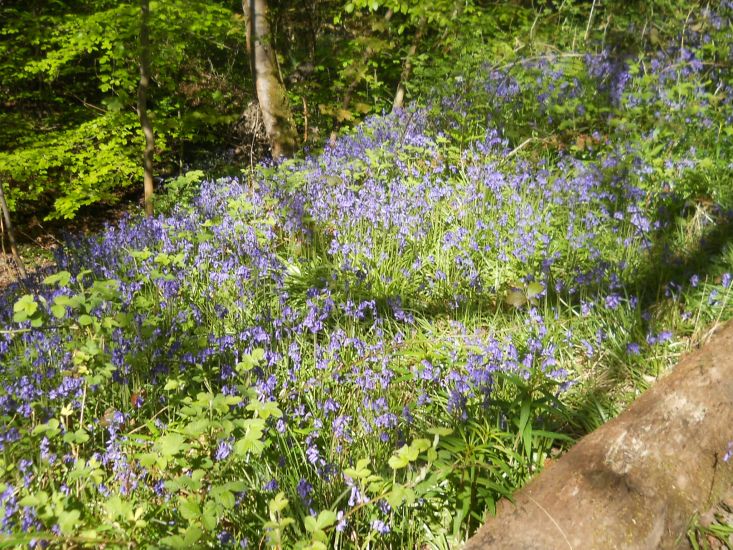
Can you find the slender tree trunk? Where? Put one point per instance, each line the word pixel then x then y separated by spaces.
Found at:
pixel 399 98
pixel 11 235
pixel 271 95
pixel 142 105
pixel 346 100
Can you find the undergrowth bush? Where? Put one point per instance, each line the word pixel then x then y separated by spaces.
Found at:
pixel 371 346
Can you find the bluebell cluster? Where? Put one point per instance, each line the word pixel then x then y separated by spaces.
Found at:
pixel 387 281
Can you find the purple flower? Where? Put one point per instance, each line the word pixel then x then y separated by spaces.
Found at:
pixel 342 522
pixel 380 527
pixel 304 490
pixel 613 301
pixel 223 450
pixel 729 453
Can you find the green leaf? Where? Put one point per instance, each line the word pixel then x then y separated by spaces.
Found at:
pixel 399 495
pixel 361 471
pixel 404 456
pixel 324 520
pixel 25 308
pixel 171 444
pixel 58 311
pixel 420 445
pixel 278 504
pixel 118 508
pixel 50 428
pixel 265 410
pixel 85 320
pixel 524 415
pixel 61 278
pixel 174 541
pixel 189 508
pixel 210 518
pixel 147 460
pixel 515 298
pixel 440 431
pixel 250 443
pixel 81 435
pixel 68 521
pixel 225 498
pixel 534 289
pixel 141 254
pixel 192 535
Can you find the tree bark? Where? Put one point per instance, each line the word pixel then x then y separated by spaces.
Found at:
pixel 271 95
pixel 11 235
pixel 636 482
pixel 142 106
pixel 399 98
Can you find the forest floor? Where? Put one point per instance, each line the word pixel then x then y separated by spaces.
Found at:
pixel 37 240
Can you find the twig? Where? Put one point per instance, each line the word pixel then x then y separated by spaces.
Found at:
pixel 89 105
pixel 252 145
pixel 590 20
pixel 519 147
pixel 15 331
pixel 305 120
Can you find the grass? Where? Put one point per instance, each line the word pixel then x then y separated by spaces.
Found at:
pixel 372 346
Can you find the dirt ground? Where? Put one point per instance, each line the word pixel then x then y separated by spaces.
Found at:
pixel 37 238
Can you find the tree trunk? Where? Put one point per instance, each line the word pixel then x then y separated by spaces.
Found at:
pixel 399 98
pixel 11 235
pixel 271 95
pixel 636 482
pixel 142 106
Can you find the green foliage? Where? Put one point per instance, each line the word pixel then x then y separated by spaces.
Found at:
pixel 179 191
pixel 80 62
pixel 187 388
